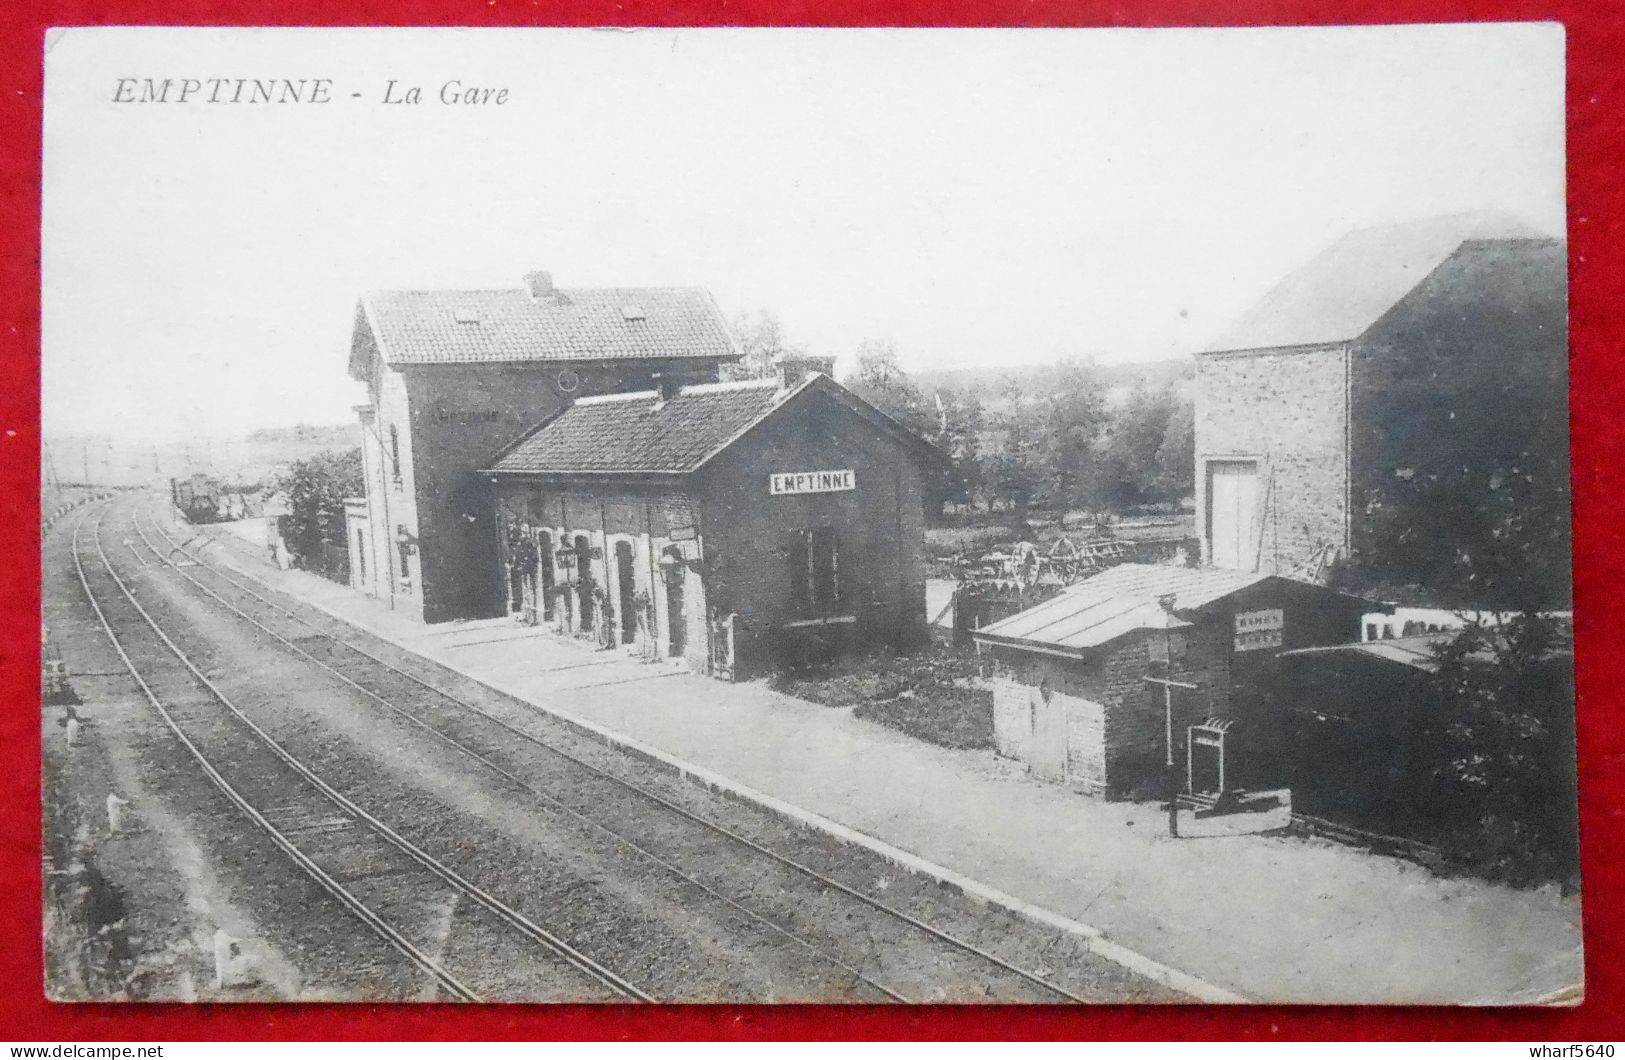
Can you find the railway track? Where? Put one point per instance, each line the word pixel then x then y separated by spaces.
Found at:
pixel 688 846
pixel 380 877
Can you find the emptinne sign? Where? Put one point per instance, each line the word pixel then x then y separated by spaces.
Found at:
pixel 812 482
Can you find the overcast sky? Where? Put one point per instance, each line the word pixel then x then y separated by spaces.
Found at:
pixel 977 196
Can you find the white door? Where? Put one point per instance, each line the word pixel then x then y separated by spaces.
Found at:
pixel 1232 513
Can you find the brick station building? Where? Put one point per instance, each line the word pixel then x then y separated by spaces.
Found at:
pixel 1071 697
pixel 1390 354
pixel 452 377
pixel 733 525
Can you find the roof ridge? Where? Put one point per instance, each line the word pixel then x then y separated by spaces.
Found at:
pixel 624 395
pixel 732 384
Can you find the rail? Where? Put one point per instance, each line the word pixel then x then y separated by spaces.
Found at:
pixel 653 797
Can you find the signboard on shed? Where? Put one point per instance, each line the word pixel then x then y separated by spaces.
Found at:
pixel 786 482
pixel 1259 629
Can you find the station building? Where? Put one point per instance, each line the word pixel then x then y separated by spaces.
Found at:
pixel 734 525
pixel 452 377
pixel 1072 699
pixel 1387 355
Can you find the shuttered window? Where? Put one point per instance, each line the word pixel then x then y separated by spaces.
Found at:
pixel 813 561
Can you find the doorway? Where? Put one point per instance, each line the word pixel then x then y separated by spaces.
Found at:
pixel 626 591
pixel 584 582
pixel 544 565
pixel 675 573
pixel 1232 514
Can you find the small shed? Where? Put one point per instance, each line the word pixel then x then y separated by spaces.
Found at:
pixel 1072 697
pixel 1368 741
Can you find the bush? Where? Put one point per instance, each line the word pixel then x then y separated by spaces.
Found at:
pixel 1508 781
pixel 948 716
pixel 315 489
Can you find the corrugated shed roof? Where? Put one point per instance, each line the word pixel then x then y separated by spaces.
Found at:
pixel 575 324
pixel 1417 651
pixel 637 432
pixel 1115 602
pixel 1350 285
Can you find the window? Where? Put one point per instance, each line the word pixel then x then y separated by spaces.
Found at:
pixel 395 453
pixel 360 557
pixel 813 558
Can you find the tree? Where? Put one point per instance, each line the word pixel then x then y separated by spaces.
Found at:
pixel 1466 494
pixel 762 341
pixel 1073 415
pixel 1015 469
pixel 1176 456
pixel 1474 536
pixel 1138 464
pixel 881 381
pixel 1507 783
pixel 962 421
pixel 315 489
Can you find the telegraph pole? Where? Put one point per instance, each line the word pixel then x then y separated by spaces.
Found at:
pixel 1170 776
pixel 50 467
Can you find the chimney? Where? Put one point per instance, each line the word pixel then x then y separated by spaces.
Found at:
pixel 795 370
pixel 669 383
pixel 539 283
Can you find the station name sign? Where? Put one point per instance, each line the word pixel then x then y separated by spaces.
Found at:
pixel 1259 629
pixel 812 482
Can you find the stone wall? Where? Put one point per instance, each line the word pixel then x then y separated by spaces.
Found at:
pixel 1288 411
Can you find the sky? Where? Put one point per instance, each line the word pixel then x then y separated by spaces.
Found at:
pixel 976 196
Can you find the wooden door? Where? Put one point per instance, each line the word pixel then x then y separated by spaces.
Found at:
pixel 1232 514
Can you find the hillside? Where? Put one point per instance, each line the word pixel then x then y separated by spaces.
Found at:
pixel 1035 377
pixel 246 458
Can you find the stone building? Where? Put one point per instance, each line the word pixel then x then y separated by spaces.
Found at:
pixel 1392 353
pixel 1071 696
pixel 453 376
pixel 734 525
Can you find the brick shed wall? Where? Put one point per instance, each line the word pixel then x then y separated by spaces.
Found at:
pixel 1044 698
pixel 1136 715
pixel 1288 411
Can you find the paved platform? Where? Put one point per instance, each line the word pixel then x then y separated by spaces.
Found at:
pixel 1232 902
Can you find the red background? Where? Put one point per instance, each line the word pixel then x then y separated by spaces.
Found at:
pixel 1596 184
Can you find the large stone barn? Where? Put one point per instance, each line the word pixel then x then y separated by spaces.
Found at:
pixel 1400 353
pixel 453 376
pixel 735 525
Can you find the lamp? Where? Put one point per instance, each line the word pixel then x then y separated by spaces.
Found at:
pixel 1162 620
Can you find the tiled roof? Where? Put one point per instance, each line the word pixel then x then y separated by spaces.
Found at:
pixel 576 324
pixel 1117 601
pixel 1350 285
pixel 625 433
